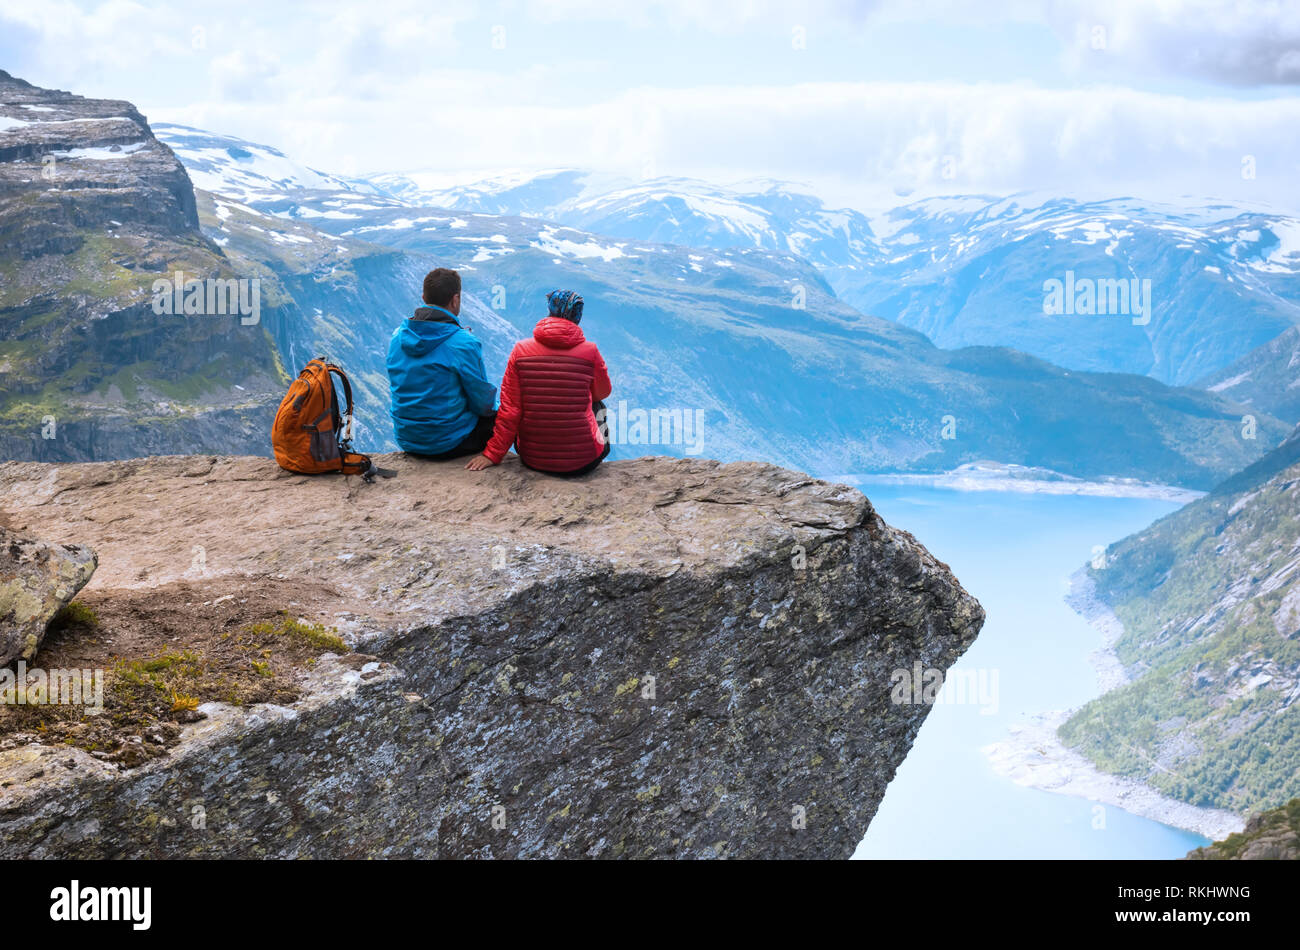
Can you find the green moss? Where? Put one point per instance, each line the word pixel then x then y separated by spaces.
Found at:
pixel 311 634
pixel 73 615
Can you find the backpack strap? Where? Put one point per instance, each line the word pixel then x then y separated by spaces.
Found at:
pixel 347 384
pixel 350 461
pixel 345 434
pixel 370 473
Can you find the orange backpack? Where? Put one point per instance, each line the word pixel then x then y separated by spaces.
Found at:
pixel 310 435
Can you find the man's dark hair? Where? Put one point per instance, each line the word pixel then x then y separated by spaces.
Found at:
pixel 440 286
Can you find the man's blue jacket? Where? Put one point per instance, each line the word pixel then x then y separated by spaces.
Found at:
pixel 437 381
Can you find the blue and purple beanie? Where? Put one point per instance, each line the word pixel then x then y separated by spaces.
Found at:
pixel 566 304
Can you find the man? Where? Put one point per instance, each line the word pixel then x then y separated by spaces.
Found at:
pixel 550 397
pixel 443 407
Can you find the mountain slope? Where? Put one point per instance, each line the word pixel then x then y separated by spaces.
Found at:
pixel 532 194
pixel 1210 601
pixel 1223 280
pixel 243 170
pixel 93 210
pixel 1266 379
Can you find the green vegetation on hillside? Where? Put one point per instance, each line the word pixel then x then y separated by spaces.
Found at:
pixel 1210 601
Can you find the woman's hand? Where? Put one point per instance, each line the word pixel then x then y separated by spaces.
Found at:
pixel 478 463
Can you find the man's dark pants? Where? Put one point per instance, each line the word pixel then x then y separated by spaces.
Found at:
pixel 472 444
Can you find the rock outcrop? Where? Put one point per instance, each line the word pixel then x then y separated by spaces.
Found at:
pixel 69 144
pixel 1269 836
pixel 94 210
pixel 36 581
pixel 668 658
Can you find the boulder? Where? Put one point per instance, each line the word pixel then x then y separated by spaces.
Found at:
pixel 36 580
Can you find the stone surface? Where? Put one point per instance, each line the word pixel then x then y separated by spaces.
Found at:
pixel 666 658
pixel 36 580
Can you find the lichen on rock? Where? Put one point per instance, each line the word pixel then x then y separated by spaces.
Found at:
pixel 36 580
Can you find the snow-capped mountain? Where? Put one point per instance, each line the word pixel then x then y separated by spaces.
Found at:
pixel 764 214
pixel 969 270
pixel 753 338
pixel 244 170
pixel 524 193
pixel 974 270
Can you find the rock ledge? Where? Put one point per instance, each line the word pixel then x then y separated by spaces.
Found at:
pixel 666 658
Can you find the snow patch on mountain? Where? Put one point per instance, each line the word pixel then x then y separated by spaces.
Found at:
pixel 230 166
pixel 548 240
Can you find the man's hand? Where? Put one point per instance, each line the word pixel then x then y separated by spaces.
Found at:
pixel 478 463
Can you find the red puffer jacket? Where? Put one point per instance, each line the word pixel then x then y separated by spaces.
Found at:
pixel 546 396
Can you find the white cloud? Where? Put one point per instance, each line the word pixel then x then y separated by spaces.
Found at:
pixel 1245 42
pixel 863 141
pixel 722 16
pixel 346 88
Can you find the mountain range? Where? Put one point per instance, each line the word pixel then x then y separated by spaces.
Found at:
pixel 752 336
pixel 966 270
pixel 741 279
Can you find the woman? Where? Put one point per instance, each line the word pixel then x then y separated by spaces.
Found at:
pixel 550 397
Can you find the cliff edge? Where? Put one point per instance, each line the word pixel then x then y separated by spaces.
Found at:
pixel 668 658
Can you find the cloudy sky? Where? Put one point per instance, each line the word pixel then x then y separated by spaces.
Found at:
pixel 865 101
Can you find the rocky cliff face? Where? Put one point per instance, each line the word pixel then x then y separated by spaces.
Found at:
pixel 80 148
pixel 668 658
pixel 94 210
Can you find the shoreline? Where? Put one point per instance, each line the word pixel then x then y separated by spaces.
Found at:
pixel 1033 756
pixel 974 478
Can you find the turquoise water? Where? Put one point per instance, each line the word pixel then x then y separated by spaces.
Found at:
pixel 1015 553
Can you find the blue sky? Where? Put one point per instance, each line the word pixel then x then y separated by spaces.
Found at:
pixel 867 102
